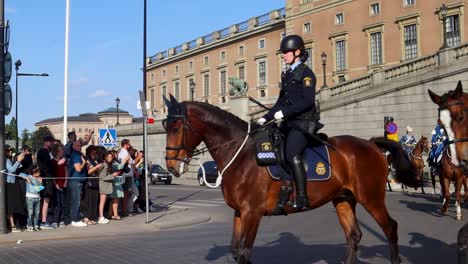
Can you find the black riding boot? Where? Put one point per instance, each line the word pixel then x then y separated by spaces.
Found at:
pixel 299 173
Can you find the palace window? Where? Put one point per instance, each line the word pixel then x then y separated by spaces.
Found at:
pixel 222 79
pixel 206 85
pixel 409 2
pixel 375 9
pixel 339 19
pixel 307 27
pixel 177 90
pixel 340 47
pixel 241 72
pixel 241 50
pixel 262 78
pixel 376 48
pixel 411 42
pixel 261 43
pixel 453 30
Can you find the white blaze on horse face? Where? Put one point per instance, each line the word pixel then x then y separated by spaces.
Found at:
pixel 446 121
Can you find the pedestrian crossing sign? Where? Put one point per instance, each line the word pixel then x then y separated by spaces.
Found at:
pixel 107 137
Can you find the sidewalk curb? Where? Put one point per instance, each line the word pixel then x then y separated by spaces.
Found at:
pixel 163 220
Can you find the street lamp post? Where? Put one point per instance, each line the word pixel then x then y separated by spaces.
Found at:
pixel 17 65
pixel 324 64
pixel 192 89
pixel 443 14
pixel 117 102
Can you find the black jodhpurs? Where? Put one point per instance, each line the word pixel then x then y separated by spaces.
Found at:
pixel 296 142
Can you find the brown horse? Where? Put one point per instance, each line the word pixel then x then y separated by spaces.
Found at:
pixel 358 175
pixel 417 161
pixel 453 114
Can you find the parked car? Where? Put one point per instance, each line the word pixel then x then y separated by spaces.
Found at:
pixel 159 174
pixel 211 173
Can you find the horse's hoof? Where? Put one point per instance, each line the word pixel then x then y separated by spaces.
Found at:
pixel 459 217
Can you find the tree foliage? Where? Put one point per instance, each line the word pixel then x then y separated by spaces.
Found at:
pixel 10 130
pixel 37 137
pixel 25 138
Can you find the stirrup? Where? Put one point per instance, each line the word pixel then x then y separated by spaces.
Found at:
pixel 301 203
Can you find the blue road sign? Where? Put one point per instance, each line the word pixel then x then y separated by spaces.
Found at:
pixel 107 137
pixel 391 128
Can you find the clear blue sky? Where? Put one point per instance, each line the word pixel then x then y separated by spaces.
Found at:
pixel 105 47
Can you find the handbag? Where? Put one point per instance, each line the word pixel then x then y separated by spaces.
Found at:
pixel 108 178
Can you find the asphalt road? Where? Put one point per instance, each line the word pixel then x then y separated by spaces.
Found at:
pixel 311 237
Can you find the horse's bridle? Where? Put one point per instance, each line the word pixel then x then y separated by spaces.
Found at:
pixel 191 152
pixel 185 129
pixel 446 107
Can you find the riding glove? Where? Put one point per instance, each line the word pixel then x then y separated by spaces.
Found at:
pixel 279 115
pixel 261 121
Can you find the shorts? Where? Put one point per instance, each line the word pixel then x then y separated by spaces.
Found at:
pixel 49 189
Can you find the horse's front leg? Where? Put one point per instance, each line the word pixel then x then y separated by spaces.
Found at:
pixel 250 221
pixel 446 194
pixel 458 185
pixel 236 235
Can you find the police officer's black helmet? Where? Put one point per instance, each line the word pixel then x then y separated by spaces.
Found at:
pixel 291 43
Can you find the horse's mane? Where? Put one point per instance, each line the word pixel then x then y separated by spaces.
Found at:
pixel 222 114
pixel 445 97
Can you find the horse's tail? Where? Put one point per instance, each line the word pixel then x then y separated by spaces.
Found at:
pixel 404 171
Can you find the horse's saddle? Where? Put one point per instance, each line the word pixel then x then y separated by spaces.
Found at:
pixel 316 158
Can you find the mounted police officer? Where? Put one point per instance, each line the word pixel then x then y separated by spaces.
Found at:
pixel 438 143
pixel 296 106
pixel 408 142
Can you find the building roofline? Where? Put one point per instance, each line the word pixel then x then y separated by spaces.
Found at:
pixel 249 27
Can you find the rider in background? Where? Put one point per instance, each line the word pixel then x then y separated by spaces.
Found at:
pixel 408 141
pixel 438 143
pixel 296 106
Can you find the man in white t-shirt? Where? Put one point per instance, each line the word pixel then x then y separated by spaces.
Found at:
pixel 130 190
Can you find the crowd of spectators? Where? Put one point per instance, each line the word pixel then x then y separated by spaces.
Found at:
pixel 75 184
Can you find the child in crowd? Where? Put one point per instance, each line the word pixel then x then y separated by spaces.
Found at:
pixel 33 200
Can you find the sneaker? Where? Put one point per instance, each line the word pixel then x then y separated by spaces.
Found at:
pixel 54 225
pixel 140 211
pixel 47 226
pixel 78 224
pixel 38 228
pixel 103 220
pixel 16 230
pixel 31 229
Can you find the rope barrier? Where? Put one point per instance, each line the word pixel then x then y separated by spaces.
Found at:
pixel 54 178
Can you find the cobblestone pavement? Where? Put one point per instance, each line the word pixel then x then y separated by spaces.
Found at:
pixel 311 237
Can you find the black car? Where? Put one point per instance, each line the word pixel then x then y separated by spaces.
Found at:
pixel 159 174
pixel 211 173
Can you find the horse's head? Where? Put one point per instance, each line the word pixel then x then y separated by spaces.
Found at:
pixel 424 144
pixel 453 114
pixel 181 139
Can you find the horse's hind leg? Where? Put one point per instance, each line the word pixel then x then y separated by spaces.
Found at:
pixel 389 226
pixel 236 234
pixel 432 172
pixel 345 208
pixel 446 194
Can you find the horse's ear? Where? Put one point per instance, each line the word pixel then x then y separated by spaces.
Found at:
pixel 459 90
pixel 434 97
pixel 167 102
pixel 175 104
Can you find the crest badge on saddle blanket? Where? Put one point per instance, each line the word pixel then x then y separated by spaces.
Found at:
pixel 320 168
pixel 317 165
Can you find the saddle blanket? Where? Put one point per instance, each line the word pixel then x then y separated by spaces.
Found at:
pixel 316 162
